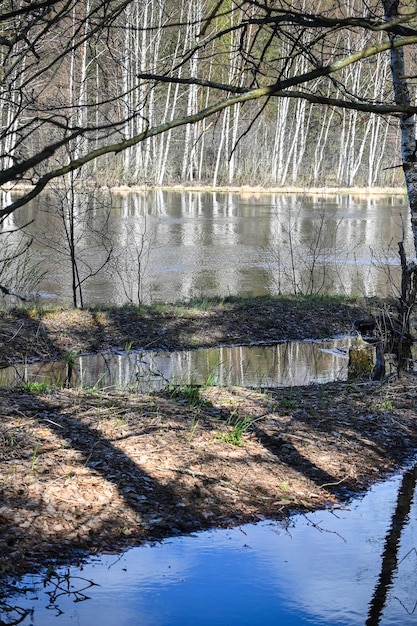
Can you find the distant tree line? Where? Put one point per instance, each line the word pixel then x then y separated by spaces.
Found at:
pixel 78 75
pixel 224 92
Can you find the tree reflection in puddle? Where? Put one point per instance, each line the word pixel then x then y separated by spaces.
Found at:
pixel 330 568
pixel 390 555
pixel 285 364
pixel 52 586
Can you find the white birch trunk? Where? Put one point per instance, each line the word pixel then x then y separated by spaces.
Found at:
pixel 231 139
pixel 303 124
pixel 342 148
pixel 277 160
pixel 126 73
pixel 373 126
pixel 297 122
pixel 193 21
pixel 378 127
pixel 322 143
pixel 407 122
pixel 225 122
pixel 10 105
pixel 204 127
pixel 138 62
pixel 82 93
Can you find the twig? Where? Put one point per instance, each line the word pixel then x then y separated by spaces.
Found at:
pixel 15 334
pixel 323 530
pixel 184 470
pixel 46 419
pixel 333 484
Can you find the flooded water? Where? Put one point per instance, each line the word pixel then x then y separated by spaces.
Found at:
pixel 335 568
pixel 169 246
pixel 346 567
pixel 285 364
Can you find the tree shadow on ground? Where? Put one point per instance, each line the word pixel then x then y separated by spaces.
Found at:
pixel 99 471
pixel 233 320
pixel 51 335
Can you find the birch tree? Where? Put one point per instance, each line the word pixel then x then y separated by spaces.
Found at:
pixel 402 96
pixel 290 56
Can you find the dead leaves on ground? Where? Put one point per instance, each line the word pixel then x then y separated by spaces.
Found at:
pixel 94 470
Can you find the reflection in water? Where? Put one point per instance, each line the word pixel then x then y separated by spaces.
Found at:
pixel 392 545
pixel 199 244
pixel 285 364
pixel 321 568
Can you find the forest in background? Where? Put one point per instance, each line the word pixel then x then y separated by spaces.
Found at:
pixel 213 92
pixel 87 73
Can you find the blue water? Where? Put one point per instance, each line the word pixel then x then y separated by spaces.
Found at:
pixel 319 569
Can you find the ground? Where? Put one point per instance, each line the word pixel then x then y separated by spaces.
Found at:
pixel 88 470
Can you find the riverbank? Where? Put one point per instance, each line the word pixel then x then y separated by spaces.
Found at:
pixel 49 333
pixel 238 189
pixel 87 470
pixel 253 190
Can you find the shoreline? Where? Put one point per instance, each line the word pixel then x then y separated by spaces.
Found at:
pixel 236 189
pixel 95 470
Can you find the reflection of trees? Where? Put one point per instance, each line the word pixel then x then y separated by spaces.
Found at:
pixel 12 614
pixel 231 249
pixel 392 544
pixel 57 585
pixel 80 237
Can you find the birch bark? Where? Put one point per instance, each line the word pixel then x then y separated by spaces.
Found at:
pixel 407 121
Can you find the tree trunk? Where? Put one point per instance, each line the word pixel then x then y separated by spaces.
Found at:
pixel 407 121
pixel 407 299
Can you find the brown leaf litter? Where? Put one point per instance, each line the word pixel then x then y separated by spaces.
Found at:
pixel 98 471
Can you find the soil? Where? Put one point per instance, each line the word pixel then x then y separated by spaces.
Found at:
pixel 87 471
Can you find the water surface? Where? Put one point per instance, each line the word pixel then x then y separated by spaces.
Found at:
pixel 169 246
pixel 322 569
pixel 284 365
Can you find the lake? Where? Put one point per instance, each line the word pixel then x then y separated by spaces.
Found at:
pixel 170 245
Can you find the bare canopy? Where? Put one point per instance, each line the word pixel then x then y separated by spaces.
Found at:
pixel 81 81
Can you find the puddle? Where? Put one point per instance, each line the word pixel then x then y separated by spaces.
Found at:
pixel 285 364
pixel 345 567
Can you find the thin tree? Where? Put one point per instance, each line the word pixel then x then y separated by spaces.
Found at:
pixel 78 234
